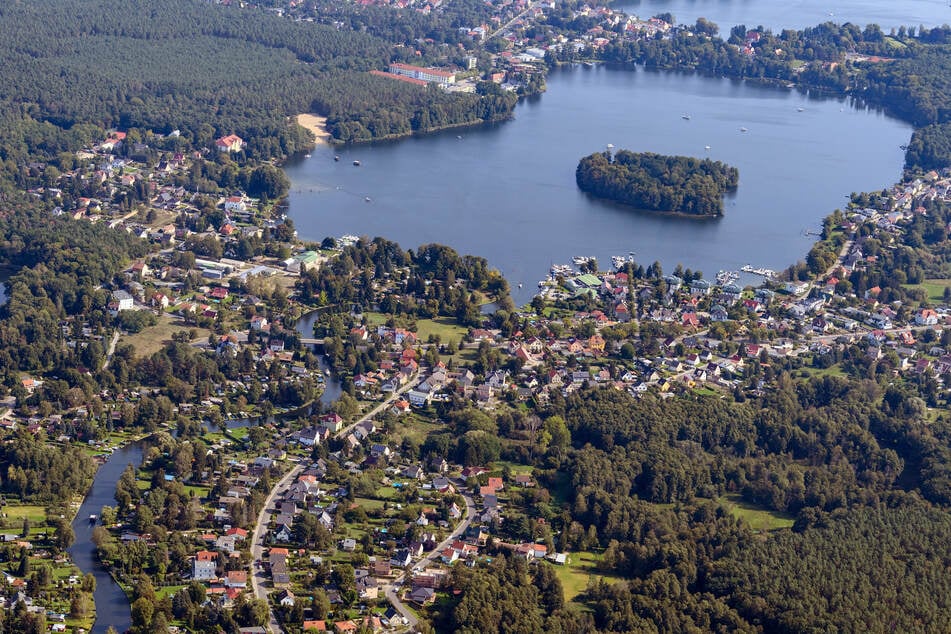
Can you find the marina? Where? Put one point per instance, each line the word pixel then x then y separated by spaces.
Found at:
pixel 767 273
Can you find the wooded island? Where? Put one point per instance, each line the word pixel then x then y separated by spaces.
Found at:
pixel 656 182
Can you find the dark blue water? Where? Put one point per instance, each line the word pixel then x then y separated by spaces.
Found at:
pixel 112 606
pixel 508 192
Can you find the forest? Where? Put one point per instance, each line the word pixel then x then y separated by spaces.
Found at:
pixel 113 64
pixel 655 182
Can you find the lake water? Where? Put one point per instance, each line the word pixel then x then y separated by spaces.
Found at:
pixel 112 606
pixel 796 14
pixel 507 192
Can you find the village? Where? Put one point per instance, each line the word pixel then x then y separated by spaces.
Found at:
pixel 346 516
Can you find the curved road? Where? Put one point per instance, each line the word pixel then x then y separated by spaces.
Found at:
pixel 410 384
pixel 258 576
pixel 390 590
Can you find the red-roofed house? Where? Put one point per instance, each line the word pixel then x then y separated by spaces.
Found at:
pixel 230 143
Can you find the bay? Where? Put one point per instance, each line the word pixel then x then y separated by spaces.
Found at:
pixel 507 192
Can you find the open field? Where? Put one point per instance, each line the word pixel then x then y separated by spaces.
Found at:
pixel 934 289
pixel 758 518
pixel 14 514
pixel 580 571
pixel 153 339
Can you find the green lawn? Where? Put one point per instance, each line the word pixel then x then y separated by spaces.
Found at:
pixel 368 504
pixel 445 327
pixel 580 572
pixel 758 518
pixel 167 591
pixel 832 370
pixel 934 289
pixel 14 514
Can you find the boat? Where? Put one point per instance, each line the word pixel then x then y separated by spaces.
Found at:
pixel 356 163
pixel 726 277
pixel 520 285
pixel 706 147
pixel 743 130
pixel 92 518
pixel 307 156
pixel 581 259
pixel 367 199
pixel 685 117
pixel 336 157
pixel 747 268
pixel 561 269
pixel 800 109
pixel 618 261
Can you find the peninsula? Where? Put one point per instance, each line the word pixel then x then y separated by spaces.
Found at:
pixel 656 182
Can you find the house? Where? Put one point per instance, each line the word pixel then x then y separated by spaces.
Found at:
pixel 283 533
pixel 926 317
pixel 422 596
pixel 413 472
pixel 203 569
pixel 401 558
pixel 524 480
pixel 122 301
pixel 286 598
pixel 316 626
pixel 236 579
pixel 230 143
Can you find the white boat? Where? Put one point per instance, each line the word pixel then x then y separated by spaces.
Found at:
pixel 356 163
pixel 618 261
pixel 685 117
pixel 800 109
pixel 307 156
pixel 706 147
pixel 726 277
pixel 743 130
pixel 581 259
pixel 747 268
pixel 367 199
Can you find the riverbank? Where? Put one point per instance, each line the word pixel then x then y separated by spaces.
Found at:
pixel 317 125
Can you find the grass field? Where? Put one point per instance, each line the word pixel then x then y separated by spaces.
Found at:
pixel 758 518
pixel 444 327
pixel 934 289
pixel 14 514
pixel 580 572
pixel 153 339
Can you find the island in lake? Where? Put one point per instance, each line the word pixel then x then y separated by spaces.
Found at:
pixel 680 184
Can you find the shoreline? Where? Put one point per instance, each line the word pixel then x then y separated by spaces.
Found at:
pixel 317 125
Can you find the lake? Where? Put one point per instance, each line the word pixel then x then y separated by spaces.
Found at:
pixel 507 192
pixel 796 14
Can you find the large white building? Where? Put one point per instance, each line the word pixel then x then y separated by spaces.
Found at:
pixel 441 77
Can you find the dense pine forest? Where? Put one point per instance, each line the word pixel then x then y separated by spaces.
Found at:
pixel 107 63
pixel 658 183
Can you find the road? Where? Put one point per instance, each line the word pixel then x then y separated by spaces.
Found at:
pixel 111 350
pixel 413 382
pixel 390 590
pixel 258 576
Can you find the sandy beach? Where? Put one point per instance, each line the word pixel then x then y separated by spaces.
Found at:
pixel 317 125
